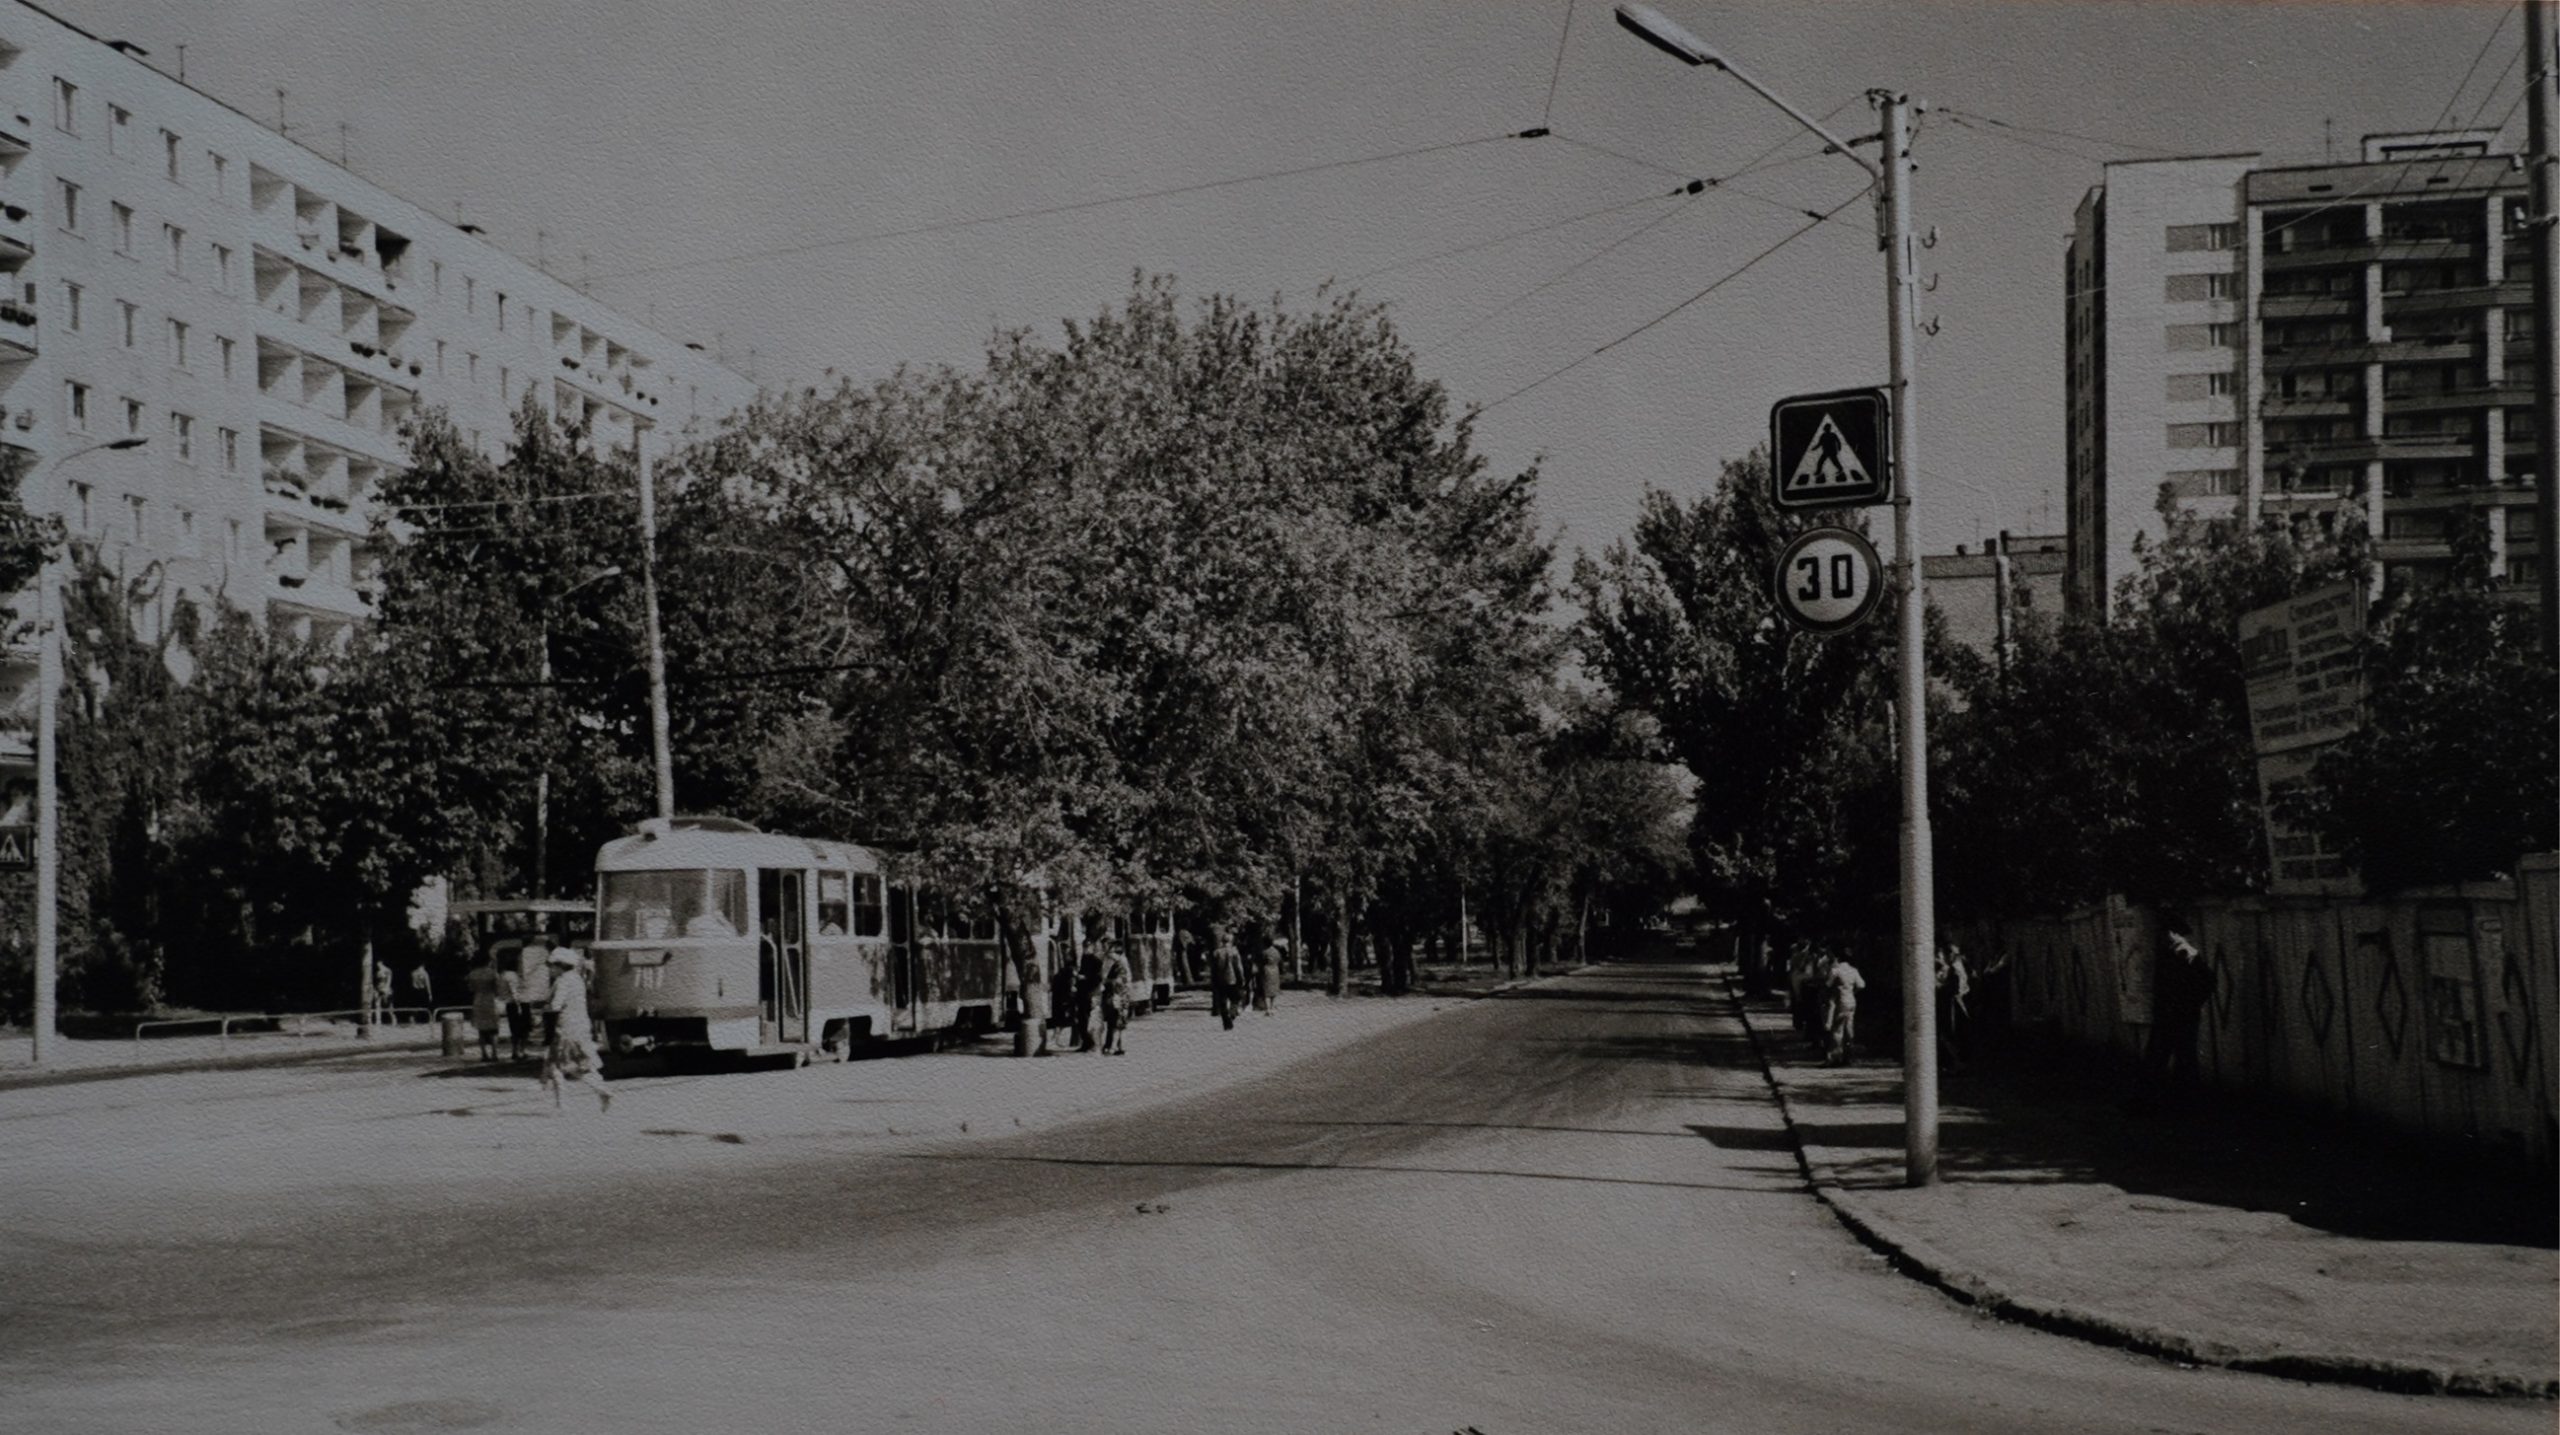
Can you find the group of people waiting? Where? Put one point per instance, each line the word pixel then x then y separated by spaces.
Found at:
pixel 553 988
pixel 1825 987
pixel 1099 983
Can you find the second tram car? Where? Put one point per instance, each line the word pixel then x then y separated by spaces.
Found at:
pixel 711 935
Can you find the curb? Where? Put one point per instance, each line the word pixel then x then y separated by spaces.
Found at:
pixel 1921 1262
pixel 72 1076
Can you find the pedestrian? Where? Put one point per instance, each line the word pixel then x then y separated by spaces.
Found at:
pixel 2181 985
pixel 571 1054
pixel 1840 1023
pixel 1226 980
pixel 422 986
pixel 1266 979
pixel 510 993
pixel 1118 1001
pixel 1955 988
pixel 1035 1010
pixel 484 981
pixel 380 996
pixel 1088 994
pixel 533 988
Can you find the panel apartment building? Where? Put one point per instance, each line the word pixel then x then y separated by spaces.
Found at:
pixel 2264 340
pixel 171 270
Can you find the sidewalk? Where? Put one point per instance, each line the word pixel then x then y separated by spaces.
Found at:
pixel 2251 1239
pixel 87 1059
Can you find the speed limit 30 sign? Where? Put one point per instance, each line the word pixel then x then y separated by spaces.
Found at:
pixel 1828 580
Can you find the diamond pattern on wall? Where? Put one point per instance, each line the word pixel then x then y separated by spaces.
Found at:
pixel 2391 1001
pixel 2270 996
pixel 2079 982
pixel 2319 1001
pixel 2221 989
pixel 2516 1026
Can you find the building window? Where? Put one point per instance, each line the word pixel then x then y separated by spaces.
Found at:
pixel 75 407
pixel 71 294
pixel 2217 384
pixel 439 358
pixel 67 195
pixel 2186 238
pixel 222 268
pixel 124 229
pixel 221 174
pixel 222 346
pixel 230 450
pixel 470 295
pixel 506 381
pixel 2205 482
pixel 186 544
pixel 133 418
pixel 471 367
pixel 231 539
pixel 66 106
pixel 176 239
pixel 2212 435
pixel 137 510
pixel 2221 336
pixel 169 156
pixel 435 277
pixel 128 314
pixel 81 516
pixel 182 436
pixel 2192 287
pixel 119 129
pixel 178 342
pixel 502 311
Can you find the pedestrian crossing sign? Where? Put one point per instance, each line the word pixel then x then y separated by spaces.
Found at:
pixel 17 847
pixel 1831 450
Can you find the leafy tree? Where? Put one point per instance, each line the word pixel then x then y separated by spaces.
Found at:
pixel 2453 774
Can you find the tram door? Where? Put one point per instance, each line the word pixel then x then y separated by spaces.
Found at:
pixel 904 985
pixel 782 954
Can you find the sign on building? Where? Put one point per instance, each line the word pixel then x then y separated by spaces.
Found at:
pixel 2306 691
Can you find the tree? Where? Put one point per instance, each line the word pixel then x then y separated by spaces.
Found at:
pixel 1785 734
pixel 2453 775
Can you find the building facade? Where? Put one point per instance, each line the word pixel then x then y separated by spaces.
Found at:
pixel 173 271
pixel 1983 595
pixel 2246 341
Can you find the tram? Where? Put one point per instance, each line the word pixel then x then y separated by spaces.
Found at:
pixel 714 936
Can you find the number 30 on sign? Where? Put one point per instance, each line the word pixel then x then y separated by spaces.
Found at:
pixel 1828 580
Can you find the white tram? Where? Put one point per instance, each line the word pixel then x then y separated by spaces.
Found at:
pixel 711 935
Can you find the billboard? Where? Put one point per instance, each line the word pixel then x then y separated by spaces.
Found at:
pixel 2304 664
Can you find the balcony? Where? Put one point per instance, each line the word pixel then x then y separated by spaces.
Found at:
pixel 2411 303
pixel 2427 349
pixel 17 332
pixel 2424 249
pixel 17 235
pixel 2485 396
pixel 2318 253
pixel 2310 306
pixel 2309 406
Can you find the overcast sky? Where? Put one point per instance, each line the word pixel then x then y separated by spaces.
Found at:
pixel 680 145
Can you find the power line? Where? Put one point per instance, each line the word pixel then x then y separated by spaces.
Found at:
pixel 1079 206
pixel 1961 115
pixel 1656 197
pixel 1728 277
pixel 2495 29
pixel 1586 261
pixel 1547 115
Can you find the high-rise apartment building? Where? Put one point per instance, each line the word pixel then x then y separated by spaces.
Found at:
pixel 172 270
pixel 2259 340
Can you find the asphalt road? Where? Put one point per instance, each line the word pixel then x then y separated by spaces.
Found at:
pixel 1568 1208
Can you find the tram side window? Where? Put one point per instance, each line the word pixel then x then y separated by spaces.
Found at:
pixel 834 905
pixel 866 904
pixel 647 906
pixel 928 916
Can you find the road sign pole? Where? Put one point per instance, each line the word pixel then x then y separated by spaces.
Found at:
pixel 1919 908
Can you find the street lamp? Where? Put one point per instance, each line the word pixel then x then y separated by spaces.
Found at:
pixel 48 802
pixel 1892 174
pixel 542 779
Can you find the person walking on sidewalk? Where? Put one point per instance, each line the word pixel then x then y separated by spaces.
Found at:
pixel 1840 1023
pixel 572 1053
pixel 1035 1010
pixel 1955 988
pixel 2181 986
pixel 1088 993
pixel 1117 1002
pixel 1226 980
pixel 483 981
pixel 379 995
pixel 1266 979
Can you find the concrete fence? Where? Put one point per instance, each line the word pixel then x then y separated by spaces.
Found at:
pixel 2431 1011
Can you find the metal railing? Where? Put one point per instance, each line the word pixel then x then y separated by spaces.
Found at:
pixel 295 1023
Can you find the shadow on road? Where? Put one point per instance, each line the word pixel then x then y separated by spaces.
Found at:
pixel 1245 1166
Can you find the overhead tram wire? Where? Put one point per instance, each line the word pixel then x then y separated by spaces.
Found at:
pixel 1547 116
pixel 2496 28
pixel 1727 277
pixel 1552 280
pixel 945 226
pixel 1656 197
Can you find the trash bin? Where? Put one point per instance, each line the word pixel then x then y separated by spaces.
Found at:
pixel 452 1022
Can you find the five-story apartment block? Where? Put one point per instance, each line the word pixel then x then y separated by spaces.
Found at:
pixel 172 271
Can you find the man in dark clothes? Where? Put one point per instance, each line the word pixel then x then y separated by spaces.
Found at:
pixel 1226 980
pixel 2181 986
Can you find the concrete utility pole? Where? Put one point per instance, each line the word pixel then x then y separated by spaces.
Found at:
pixel 1911 717
pixel 2543 150
pixel 1919 874
pixel 663 761
pixel 48 856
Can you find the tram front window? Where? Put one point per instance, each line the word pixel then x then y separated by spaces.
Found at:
pixel 649 906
